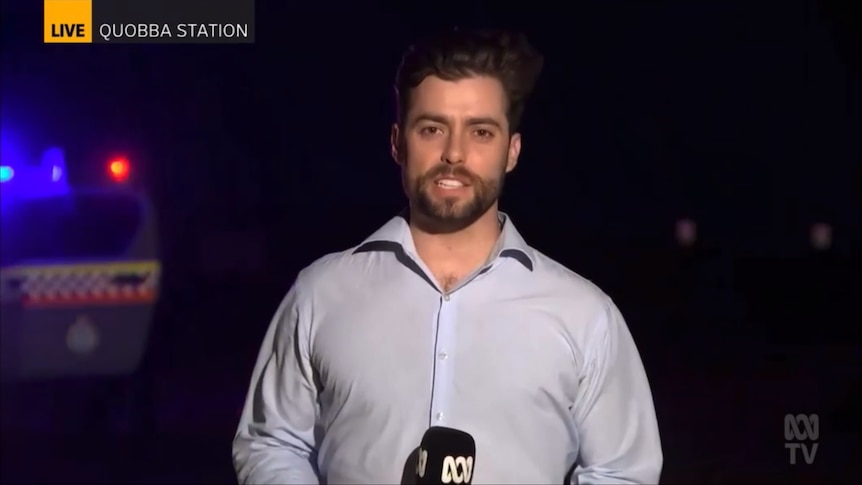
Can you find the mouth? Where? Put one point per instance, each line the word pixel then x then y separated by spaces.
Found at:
pixel 450 183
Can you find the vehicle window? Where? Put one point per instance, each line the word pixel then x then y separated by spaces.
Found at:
pixel 69 227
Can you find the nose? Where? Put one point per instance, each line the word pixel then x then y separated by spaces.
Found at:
pixel 454 152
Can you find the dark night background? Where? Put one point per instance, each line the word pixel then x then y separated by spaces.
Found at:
pixel 742 116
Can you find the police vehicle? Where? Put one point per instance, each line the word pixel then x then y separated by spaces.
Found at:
pixel 79 270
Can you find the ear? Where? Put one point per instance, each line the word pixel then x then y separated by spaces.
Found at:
pixel 395 143
pixel 514 152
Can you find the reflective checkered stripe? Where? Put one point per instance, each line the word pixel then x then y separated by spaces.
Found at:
pixel 83 284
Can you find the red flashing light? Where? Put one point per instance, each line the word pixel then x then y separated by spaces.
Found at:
pixel 119 169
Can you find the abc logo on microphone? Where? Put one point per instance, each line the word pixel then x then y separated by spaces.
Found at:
pixel 422 464
pixel 456 469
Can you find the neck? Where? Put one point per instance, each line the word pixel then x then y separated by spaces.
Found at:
pixel 469 245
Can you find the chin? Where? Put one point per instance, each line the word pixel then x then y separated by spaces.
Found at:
pixel 449 217
pixel 451 208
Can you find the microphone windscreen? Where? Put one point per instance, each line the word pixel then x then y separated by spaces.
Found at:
pixel 446 456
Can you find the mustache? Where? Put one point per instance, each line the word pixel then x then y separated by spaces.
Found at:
pixel 457 172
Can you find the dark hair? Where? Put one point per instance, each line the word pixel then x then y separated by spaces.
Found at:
pixel 460 54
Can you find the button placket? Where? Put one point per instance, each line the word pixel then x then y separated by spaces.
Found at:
pixel 446 325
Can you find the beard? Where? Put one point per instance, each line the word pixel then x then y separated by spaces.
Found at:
pixel 450 214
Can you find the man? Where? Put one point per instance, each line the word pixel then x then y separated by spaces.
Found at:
pixel 446 317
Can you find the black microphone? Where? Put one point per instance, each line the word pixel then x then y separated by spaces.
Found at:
pixel 446 456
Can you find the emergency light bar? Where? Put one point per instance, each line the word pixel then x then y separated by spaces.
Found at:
pixel 49 177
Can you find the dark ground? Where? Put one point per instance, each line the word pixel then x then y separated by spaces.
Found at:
pixel 725 371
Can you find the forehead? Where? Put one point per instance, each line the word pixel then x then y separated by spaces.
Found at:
pixel 472 96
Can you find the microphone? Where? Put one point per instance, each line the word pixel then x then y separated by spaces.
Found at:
pixel 446 456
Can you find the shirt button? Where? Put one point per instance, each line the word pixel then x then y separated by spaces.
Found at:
pixel 445 297
pixel 440 416
pixel 442 355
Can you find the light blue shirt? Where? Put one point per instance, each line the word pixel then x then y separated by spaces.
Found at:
pixel 366 352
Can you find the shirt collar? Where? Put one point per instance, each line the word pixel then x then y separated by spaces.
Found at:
pixel 395 236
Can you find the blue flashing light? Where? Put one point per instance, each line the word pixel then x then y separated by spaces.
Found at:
pixel 6 173
pixel 31 181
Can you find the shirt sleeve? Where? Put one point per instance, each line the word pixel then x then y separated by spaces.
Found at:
pixel 614 411
pixel 275 440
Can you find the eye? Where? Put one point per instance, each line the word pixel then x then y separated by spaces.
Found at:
pixel 430 130
pixel 484 134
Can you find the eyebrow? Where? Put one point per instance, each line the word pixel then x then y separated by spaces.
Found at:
pixel 475 121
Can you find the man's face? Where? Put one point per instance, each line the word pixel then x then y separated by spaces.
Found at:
pixel 454 148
